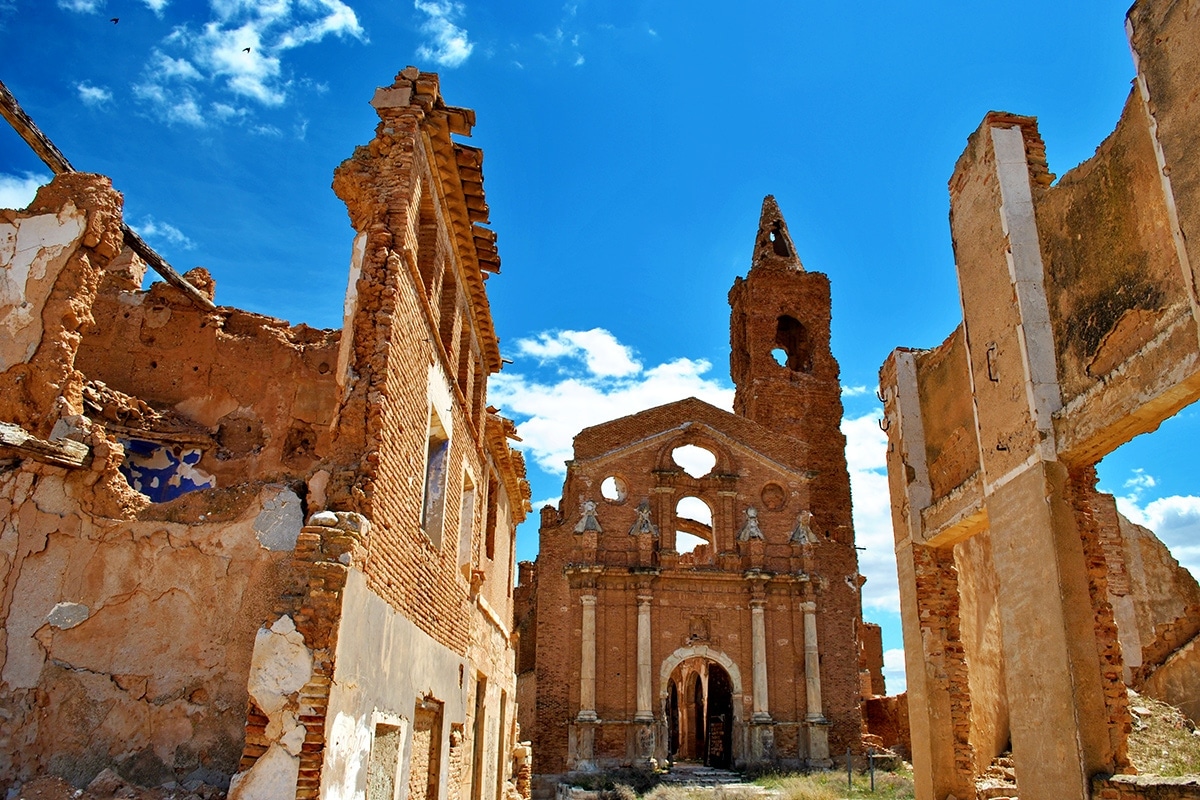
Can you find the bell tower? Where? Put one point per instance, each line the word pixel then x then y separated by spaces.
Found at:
pixel 782 366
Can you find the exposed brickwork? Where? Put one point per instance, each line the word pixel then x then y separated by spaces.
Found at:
pixel 320 565
pixel 1082 496
pixel 1144 787
pixel 871 663
pixel 887 718
pixel 384 422
pixel 937 599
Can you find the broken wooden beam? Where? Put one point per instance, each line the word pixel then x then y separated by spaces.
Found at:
pixel 53 158
pixel 16 442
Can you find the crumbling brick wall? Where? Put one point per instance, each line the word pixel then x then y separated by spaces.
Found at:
pixel 244 427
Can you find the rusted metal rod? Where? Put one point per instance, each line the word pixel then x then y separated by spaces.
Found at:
pixel 53 158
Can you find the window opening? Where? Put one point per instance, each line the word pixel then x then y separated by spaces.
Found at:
pixel 792 337
pixel 384 762
pixel 695 461
pixel 466 522
pixel 493 501
pixel 613 489
pixel 434 509
pixel 693 524
pixel 479 731
pixel 425 768
pixel 501 745
pixel 778 243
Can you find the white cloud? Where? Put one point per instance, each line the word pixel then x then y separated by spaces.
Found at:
pixel 150 228
pixel 598 380
pixel 866 458
pixel 550 413
pixel 538 505
pixel 1174 519
pixel 156 6
pixel 180 105
pixel 854 391
pixel 82 6
pixel 240 51
pixel 447 45
pixel 17 191
pixel 599 349
pixel 1140 482
pixel 893 671
pixel 93 95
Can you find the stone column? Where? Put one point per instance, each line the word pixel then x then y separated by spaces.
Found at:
pixel 758 634
pixel 644 711
pixel 587 662
pixel 818 733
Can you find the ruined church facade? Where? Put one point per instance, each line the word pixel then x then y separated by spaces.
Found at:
pixel 744 650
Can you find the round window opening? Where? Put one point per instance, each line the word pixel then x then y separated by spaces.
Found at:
pixel 695 461
pixel 613 489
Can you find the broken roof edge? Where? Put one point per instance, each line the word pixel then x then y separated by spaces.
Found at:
pixel 460 170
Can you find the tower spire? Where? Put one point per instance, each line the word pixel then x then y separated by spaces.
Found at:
pixel 773 247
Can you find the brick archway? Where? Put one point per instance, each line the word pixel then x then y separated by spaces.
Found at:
pixel 701 651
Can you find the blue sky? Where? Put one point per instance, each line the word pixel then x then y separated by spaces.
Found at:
pixel 628 147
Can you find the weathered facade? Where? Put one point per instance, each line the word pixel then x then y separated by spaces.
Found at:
pixel 235 548
pixel 1024 618
pixel 745 649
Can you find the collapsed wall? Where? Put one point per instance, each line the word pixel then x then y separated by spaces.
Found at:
pixel 192 499
pixel 1080 330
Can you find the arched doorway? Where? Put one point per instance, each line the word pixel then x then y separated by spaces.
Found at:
pixel 699 713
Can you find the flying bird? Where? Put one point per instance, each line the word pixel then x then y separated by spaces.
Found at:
pixel 115 20
pixel 245 49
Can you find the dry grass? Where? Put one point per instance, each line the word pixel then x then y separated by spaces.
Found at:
pixel 895 785
pixel 1163 741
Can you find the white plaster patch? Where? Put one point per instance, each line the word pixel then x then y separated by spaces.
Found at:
pixel 32 252
pixel 67 615
pixel 440 397
pixel 279 666
pixel 278 525
pixel 348 751
pixel 326 519
pixel 273 776
pixel 349 309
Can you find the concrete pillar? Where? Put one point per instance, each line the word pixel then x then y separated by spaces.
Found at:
pixel 1057 712
pixel 758 634
pixel 937 703
pixel 644 710
pixel 818 732
pixel 587 662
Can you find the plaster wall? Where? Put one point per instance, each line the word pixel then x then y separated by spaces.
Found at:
pixel 384 663
pixel 127 643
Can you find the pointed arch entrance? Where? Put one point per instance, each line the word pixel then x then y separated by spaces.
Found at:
pixel 703 720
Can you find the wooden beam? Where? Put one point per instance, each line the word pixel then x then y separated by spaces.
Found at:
pixel 16 442
pixel 53 158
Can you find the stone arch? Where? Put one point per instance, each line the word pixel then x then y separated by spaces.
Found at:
pixel 724 465
pixel 701 651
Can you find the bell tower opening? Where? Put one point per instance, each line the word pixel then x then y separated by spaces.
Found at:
pixel 792 337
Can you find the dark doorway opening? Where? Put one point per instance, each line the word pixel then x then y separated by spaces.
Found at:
pixel 699 712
